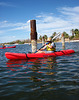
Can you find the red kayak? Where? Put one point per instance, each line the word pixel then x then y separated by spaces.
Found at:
pixel 10 55
pixel 8 47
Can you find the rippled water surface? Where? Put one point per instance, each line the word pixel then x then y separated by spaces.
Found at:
pixel 40 79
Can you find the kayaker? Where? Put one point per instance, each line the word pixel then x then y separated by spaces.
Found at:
pixel 3 45
pixel 50 47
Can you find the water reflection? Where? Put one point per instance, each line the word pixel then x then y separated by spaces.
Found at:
pixel 63 47
pixel 14 65
pixel 34 68
pixel 35 64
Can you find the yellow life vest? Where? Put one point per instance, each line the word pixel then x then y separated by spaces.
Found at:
pixel 50 49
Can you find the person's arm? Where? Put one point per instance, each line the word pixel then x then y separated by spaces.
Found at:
pixel 51 46
pixel 43 48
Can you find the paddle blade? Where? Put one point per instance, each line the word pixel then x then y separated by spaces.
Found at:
pixel 55 36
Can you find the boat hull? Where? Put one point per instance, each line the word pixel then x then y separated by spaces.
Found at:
pixel 10 55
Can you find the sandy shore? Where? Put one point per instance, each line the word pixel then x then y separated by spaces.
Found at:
pixel 74 40
pixel 69 41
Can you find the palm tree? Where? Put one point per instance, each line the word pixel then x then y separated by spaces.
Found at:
pixel 45 37
pixel 40 37
pixel 53 34
pixel 66 35
pixel 72 32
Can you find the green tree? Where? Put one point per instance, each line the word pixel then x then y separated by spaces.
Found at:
pixel 53 34
pixel 45 37
pixel 76 30
pixel 66 35
pixel 72 31
pixel 40 37
pixel 76 33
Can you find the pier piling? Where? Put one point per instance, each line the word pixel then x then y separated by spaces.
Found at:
pixel 43 40
pixel 63 40
pixel 33 35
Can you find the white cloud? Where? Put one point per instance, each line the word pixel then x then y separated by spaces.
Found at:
pixel 6 27
pixel 3 22
pixel 47 23
pixel 1 32
pixel 6 4
pixel 8 24
pixel 68 20
pixel 72 13
pixel 7 38
pixel 71 9
pixel 28 21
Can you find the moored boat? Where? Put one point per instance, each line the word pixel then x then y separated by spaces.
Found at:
pixel 10 55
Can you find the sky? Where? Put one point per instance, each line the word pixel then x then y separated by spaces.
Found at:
pixel 50 15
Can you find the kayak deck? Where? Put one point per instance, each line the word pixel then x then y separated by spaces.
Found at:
pixel 10 55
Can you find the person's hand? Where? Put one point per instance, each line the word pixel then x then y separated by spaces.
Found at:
pixel 37 50
pixel 45 44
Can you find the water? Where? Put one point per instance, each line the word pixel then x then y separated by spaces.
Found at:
pixel 40 79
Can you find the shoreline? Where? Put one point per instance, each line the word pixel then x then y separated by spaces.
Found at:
pixel 45 42
pixel 74 40
pixel 69 41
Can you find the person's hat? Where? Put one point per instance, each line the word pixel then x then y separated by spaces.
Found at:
pixel 49 39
